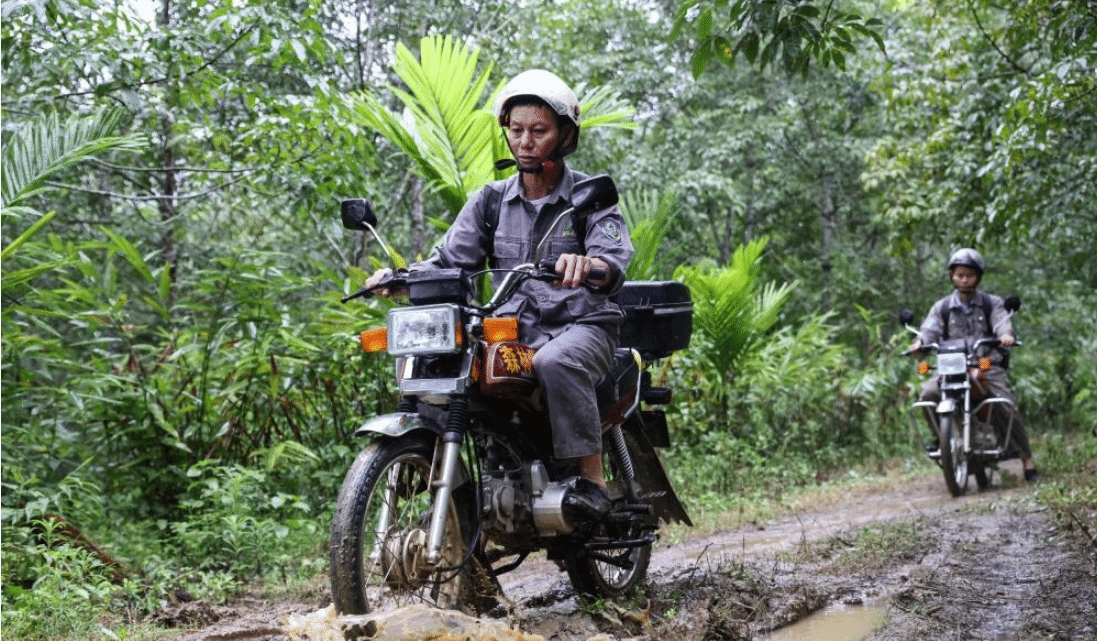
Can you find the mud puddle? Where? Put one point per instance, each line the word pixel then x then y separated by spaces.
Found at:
pixel 834 623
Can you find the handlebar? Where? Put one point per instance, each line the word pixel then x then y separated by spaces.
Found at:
pixel 544 270
pixel 933 347
pixel 394 280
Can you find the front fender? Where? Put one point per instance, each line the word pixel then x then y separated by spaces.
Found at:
pixel 398 424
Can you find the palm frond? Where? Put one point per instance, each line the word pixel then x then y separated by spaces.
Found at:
pixel 446 127
pixel 48 144
pixel 731 310
pixel 603 107
pixel 440 128
pixel 649 217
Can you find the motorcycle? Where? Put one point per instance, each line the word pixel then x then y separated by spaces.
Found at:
pixel 968 442
pixel 459 485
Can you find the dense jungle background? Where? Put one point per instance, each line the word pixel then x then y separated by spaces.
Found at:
pixel 180 381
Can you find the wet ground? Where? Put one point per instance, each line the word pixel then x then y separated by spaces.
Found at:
pixel 878 563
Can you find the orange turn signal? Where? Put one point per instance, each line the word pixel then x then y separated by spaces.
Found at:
pixel 497 330
pixel 374 340
pixel 923 368
pixel 984 363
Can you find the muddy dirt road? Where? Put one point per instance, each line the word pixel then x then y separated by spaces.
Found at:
pixel 987 566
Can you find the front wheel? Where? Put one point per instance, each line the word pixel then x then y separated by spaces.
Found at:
pixel 954 460
pixel 380 528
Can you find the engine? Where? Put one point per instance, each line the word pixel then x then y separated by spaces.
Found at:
pixel 523 504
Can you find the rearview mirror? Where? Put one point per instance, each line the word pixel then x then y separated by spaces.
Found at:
pixel 592 194
pixel 906 317
pixel 357 213
pixel 1013 303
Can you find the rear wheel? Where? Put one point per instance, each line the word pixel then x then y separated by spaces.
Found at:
pixel 613 571
pixel 379 532
pixel 954 461
pixel 610 571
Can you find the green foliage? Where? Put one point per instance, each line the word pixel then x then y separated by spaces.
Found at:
pixel 72 590
pixel 231 521
pixel 732 311
pixel 442 130
pixel 48 145
pixel 649 218
pixel 991 114
pixel 34 153
pixel 795 32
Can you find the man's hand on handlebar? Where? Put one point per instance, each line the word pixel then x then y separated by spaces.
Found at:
pixel 376 284
pixel 574 269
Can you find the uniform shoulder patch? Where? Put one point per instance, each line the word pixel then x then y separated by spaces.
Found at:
pixel 612 231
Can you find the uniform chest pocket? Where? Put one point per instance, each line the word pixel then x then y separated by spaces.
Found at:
pixel 510 251
pixel 558 246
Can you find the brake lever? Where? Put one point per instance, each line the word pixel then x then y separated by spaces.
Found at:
pixel 361 293
pixel 367 292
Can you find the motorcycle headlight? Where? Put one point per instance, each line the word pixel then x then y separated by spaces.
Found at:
pixel 431 329
pixel 951 363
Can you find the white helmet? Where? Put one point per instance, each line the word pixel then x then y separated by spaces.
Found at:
pixel 547 87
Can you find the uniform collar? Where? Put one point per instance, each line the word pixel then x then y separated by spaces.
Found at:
pixel 957 301
pixel 513 190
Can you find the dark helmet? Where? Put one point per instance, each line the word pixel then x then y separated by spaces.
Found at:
pixel 966 257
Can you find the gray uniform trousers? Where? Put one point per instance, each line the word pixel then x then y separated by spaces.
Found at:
pixel 568 367
pixel 997 385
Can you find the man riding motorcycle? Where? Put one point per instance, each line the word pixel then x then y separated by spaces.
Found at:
pixel 573 328
pixel 970 314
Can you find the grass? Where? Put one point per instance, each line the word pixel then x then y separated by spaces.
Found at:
pixel 1068 486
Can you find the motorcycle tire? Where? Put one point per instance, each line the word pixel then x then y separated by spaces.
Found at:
pixel 591 576
pixel 376 565
pixel 954 460
pixel 612 572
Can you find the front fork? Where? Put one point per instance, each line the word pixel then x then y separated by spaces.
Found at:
pixel 452 437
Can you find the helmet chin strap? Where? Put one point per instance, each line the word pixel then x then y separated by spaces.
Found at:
pixel 510 162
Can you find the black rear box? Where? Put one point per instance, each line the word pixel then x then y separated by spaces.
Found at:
pixel 658 317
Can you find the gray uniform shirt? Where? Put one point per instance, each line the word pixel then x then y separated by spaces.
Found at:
pixel 543 310
pixel 966 320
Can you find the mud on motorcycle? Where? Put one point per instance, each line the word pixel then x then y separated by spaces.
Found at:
pixel 459 485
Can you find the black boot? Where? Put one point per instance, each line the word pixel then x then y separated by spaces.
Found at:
pixel 585 504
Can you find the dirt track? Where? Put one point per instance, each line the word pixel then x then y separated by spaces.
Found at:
pixel 988 565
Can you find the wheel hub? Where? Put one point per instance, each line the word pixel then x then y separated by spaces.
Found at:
pixel 403 559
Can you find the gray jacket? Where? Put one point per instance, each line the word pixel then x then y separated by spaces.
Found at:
pixel 543 310
pixel 966 320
